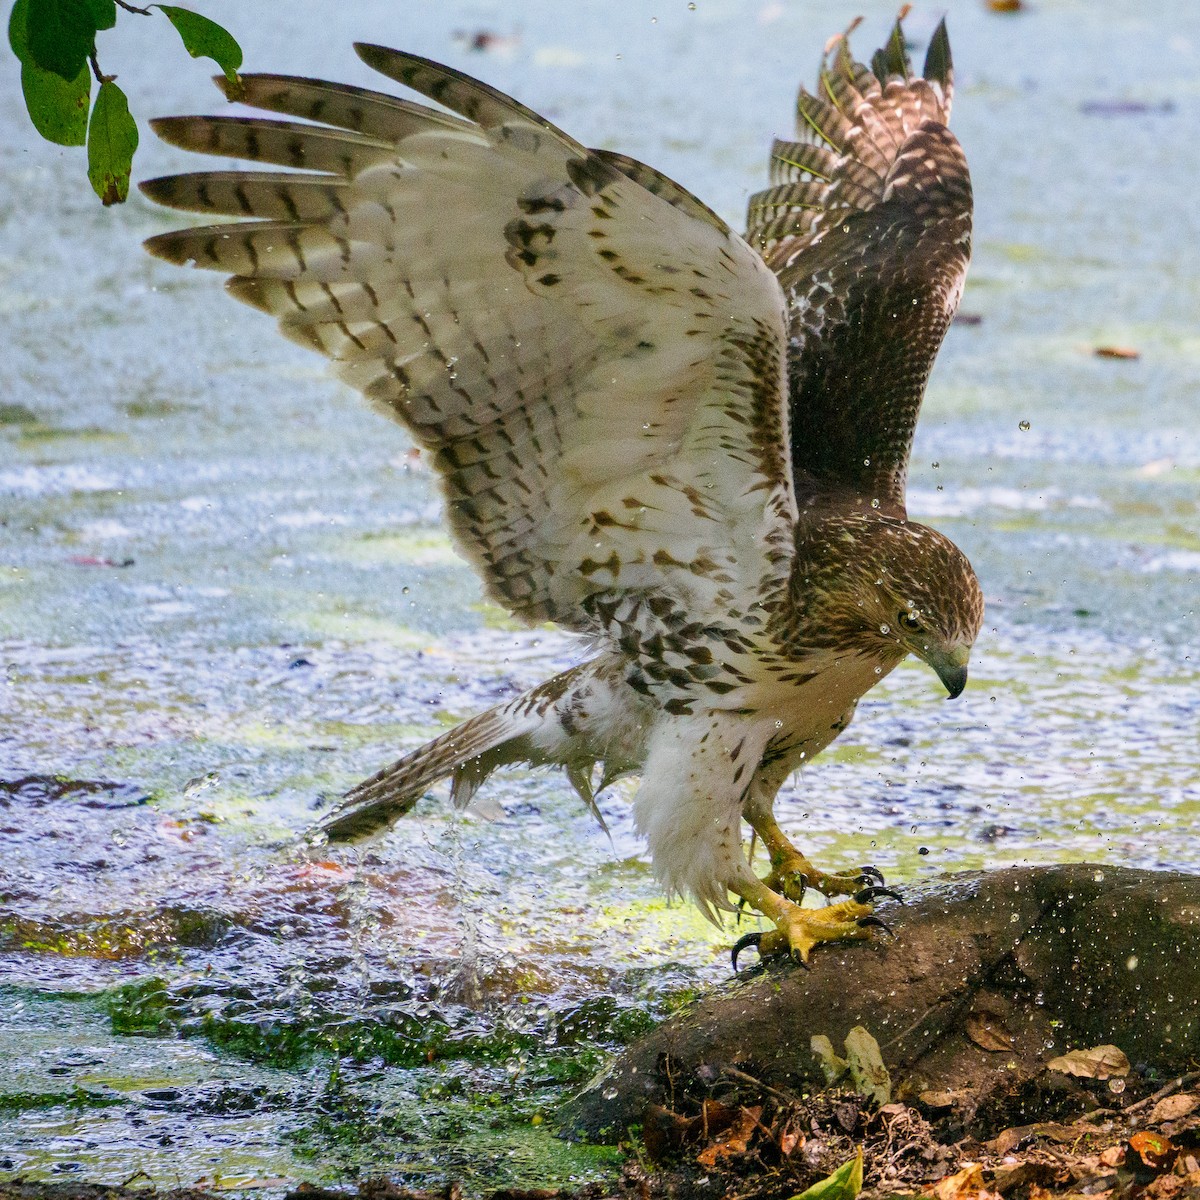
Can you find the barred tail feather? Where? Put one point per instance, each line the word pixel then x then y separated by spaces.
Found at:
pixel 469 753
pixel 527 729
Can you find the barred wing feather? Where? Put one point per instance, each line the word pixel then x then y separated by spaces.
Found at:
pixel 867 225
pixel 595 361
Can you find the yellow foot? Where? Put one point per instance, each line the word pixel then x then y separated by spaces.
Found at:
pixel 798 930
pixel 791 874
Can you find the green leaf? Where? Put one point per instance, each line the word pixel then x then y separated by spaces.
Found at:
pixel 18 37
pixel 103 12
pixel 203 38
pixel 112 139
pixel 59 36
pixel 844 1184
pixel 58 109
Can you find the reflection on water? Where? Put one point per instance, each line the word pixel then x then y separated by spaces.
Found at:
pixel 225 595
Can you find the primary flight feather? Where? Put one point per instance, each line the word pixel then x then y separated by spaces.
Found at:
pixel 689 446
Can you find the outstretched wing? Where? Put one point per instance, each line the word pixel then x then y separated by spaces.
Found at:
pixel 594 359
pixel 868 227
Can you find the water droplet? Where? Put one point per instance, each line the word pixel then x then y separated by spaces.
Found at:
pixel 922 850
pixel 885 629
pixel 1116 1086
pixel 866 462
pixel 691 8
pixel 935 465
pixel 1024 427
pixel 610 1093
pixel 878 670
pixel 874 503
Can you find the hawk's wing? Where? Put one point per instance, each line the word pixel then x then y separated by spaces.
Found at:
pixel 594 359
pixel 868 227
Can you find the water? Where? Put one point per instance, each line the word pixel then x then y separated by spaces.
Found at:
pixel 225 595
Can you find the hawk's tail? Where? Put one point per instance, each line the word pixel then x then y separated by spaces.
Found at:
pixel 466 754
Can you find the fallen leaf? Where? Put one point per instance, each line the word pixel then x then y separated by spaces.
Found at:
pixel 663 1132
pixel 1098 1062
pixel 939 1099
pixel 1156 1151
pixel 1114 1156
pixel 987 1030
pixel 91 560
pixel 844 1184
pixel 1006 6
pixel 789 1140
pixel 1038 1175
pixel 867 1072
pixel 1117 352
pixel 966 1184
pixel 736 1140
pixel 833 1066
pixel 1009 1139
pixel 1173 1108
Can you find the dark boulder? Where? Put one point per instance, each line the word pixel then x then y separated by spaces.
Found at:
pixel 990 976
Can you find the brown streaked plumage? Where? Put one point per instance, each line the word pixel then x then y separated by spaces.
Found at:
pixel 687 446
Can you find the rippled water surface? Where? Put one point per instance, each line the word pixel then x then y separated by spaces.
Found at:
pixel 225 595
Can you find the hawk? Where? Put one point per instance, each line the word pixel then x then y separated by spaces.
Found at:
pixel 685 445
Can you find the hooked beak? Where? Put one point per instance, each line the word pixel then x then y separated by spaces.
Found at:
pixel 951 668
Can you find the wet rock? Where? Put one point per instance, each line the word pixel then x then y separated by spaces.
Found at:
pixel 1045 959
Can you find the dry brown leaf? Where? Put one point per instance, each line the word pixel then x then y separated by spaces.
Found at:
pixel 737 1138
pixel 1174 1108
pixel 1117 352
pixel 987 1030
pixel 966 1184
pixel 1009 1139
pixel 1098 1062
pixel 1114 1156
pixel 1025 1174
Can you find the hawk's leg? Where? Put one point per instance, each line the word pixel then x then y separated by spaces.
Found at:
pixel 791 872
pixel 798 930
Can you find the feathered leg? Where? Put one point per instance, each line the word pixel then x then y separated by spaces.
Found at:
pixel 792 872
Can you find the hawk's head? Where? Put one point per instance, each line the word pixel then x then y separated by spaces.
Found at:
pixel 880 585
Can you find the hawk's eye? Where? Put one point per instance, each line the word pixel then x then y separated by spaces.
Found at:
pixel 907 619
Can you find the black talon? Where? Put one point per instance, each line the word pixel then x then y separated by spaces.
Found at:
pixel 747 939
pixel 873 893
pixel 868 873
pixel 876 923
pixel 800 875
